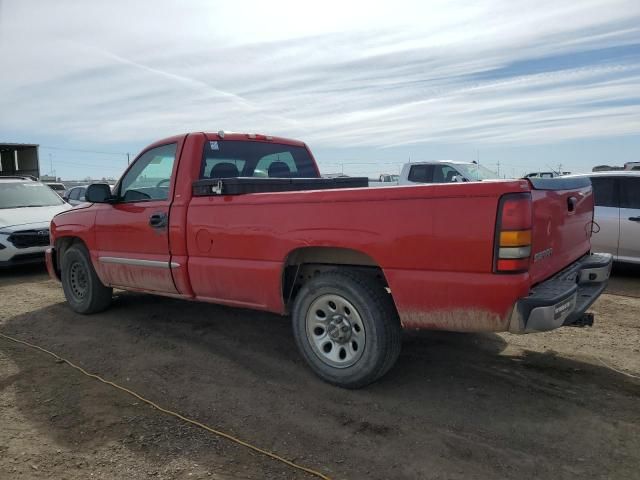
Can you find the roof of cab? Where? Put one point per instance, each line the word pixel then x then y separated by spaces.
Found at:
pixel 222 135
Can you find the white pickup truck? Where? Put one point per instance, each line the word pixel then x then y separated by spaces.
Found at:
pixel 444 171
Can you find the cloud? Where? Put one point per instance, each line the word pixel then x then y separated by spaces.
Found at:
pixel 336 73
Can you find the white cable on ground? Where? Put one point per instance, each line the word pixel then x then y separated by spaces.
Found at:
pixel 219 433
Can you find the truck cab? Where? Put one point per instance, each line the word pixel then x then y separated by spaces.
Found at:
pixel 444 171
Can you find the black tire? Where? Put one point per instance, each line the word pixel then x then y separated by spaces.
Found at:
pixel 83 290
pixel 374 310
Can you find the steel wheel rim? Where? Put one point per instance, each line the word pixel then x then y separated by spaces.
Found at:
pixel 78 280
pixel 335 331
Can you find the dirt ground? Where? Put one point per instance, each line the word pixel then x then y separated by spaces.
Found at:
pixel 456 406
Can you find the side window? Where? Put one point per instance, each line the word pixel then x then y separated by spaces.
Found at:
pixel 81 191
pixel 150 176
pixel 444 174
pixel 276 165
pixel 74 193
pixel 630 193
pixel 421 173
pixel 605 191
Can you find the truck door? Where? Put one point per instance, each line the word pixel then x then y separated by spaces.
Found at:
pixel 132 234
pixel 606 215
pixel 629 247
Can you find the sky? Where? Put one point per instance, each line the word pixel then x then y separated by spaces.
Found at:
pixel 520 85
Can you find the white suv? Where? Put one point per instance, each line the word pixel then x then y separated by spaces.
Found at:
pixel 26 210
pixel 617 214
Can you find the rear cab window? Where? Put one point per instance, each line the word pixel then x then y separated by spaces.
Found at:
pixel 237 158
pixel 421 173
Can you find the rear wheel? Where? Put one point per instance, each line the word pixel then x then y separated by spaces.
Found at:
pixel 347 328
pixel 83 290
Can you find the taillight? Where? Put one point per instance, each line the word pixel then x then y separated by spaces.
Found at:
pixel 513 233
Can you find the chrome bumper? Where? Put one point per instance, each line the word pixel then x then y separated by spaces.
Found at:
pixel 564 298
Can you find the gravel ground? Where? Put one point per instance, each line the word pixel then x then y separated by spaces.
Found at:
pixel 455 406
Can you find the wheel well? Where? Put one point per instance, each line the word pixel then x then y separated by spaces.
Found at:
pixel 303 264
pixel 62 245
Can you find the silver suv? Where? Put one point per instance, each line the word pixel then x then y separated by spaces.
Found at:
pixel 26 210
pixel 617 212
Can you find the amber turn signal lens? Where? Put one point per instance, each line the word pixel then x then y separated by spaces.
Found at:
pixel 518 238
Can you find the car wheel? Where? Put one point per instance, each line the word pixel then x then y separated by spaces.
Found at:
pixel 83 290
pixel 346 327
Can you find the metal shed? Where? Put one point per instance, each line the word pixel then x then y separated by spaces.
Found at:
pixel 19 159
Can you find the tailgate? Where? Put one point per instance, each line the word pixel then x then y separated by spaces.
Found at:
pixel 562 223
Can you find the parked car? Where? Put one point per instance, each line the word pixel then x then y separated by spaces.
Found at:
pixel 632 166
pixel 617 214
pixel 384 180
pixel 189 220
pixel 389 178
pixel 76 195
pixel 26 210
pixel 444 171
pixel 59 188
pixel 546 174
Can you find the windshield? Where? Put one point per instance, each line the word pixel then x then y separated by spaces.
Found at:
pixel 27 194
pixel 476 172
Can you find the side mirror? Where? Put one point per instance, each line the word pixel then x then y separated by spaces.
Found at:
pixel 98 193
pixel 459 179
pixel 65 198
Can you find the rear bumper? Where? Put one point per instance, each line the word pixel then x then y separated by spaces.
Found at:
pixel 563 299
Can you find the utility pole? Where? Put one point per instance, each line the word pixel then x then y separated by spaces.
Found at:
pixel 498 172
pixel 127 158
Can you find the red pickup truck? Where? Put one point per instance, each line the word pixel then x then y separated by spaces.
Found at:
pixel 246 220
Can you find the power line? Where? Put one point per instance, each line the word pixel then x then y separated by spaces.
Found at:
pixel 76 164
pixel 82 150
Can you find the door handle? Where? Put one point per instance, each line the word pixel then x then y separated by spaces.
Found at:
pixel 158 220
pixel 634 219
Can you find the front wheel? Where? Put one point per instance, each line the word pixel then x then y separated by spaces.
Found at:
pixel 83 290
pixel 347 328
